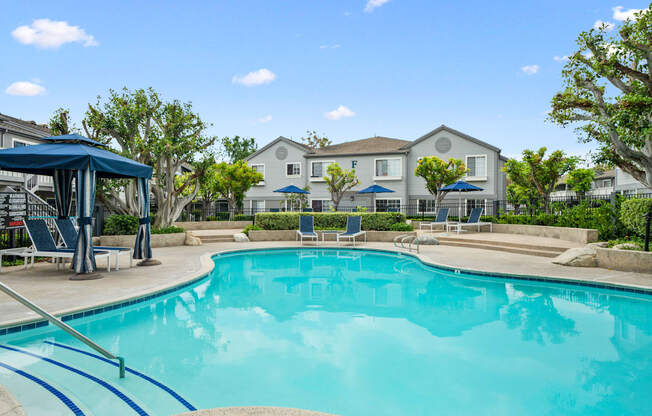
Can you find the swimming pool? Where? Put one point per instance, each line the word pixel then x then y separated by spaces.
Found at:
pixel 352 332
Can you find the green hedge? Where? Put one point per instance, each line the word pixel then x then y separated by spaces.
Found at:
pixel 632 214
pixel 379 221
pixel 128 225
pixel 242 217
pixel 219 216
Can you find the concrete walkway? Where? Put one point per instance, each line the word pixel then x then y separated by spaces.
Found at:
pixel 53 291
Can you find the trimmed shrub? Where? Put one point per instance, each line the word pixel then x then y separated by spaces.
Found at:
pixel 378 221
pixel 401 226
pixel 219 216
pixel 249 228
pixel 242 217
pixel 168 230
pixel 632 214
pixel 120 225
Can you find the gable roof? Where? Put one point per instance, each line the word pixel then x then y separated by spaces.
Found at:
pixel 301 146
pixel 371 145
pixel 444 127
pixel 29 128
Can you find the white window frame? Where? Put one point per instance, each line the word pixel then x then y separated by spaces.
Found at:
pixel 286 169
pixel 400 200
pixel 13 141
pixel 330 202
pixel 251 204
pixel 319 178
pixel 388 178
pixel 261 183
pixel 426 203
pixel 486 168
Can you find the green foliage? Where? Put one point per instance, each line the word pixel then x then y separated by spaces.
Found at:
pixel 59 123
pixel 251 227
pixel 538 174
pixel 233 180
pixel 401 226
pixel 632 214
pixel 608 89
pixel 438 173
pixel 23 241
pixel 339 181
pixel 168 230
pixel 118 224
pixel 378 221
pixel 314 141
pixel 580 180
pixel 637 242
pixel 237 148
pixel 219 216
pixel 242 217
pixel 297 200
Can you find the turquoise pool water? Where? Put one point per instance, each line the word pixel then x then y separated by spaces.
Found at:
pixel 355 332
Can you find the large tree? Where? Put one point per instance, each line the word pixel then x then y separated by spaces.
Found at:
pixel 339 181
pixel 608 89
pixel 438 173
pixel 232 181
pixel 538 173
pixel 167 135
pixel 580 181
pixel 237 148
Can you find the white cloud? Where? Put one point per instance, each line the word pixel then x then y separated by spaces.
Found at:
pixel 530 69
pixel 260 77
pixel 373 4
pixel 25 88
pixel 561 58
pixel 334 46
pixel 608 25
pixel 265 119
pixel 347 14
pixel 339 113
pixel 622 15
pixel 46 33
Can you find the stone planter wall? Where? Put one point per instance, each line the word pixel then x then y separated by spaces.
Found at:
pixel 290 235
pixel 212 225
pixel 624 260
pixel 158 240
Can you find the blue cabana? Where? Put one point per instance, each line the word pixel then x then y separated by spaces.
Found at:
pixel 63 157
pixel 460 186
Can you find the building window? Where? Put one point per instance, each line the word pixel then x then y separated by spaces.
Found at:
pixel 426 205
pixel 257 206
pixel 260 168
pixel 318 170
pixel 293 169
pixel 388 168
pixel 477 166
pixel 388 205
pixel 606 183
pixel 19 143
pixel 321 205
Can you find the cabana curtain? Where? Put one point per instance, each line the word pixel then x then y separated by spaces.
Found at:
pixel 84 259
pixel 143 248
pixel 63 192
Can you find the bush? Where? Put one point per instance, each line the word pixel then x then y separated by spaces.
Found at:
pixel 167 230
pixel 219 216
pixel 632 214
pixel 379 221
pixel 196 213
pixel 251 227
pixel 242 217
pixel 120 225
pixel 399 226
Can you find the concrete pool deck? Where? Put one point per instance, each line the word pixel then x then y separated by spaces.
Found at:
pixel 52 290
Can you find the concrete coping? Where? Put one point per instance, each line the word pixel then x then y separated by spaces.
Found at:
pixel 254 411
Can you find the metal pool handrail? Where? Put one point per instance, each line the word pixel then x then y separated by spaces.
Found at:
pixel 58 322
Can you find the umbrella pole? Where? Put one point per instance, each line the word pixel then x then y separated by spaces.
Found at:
pixel 459 206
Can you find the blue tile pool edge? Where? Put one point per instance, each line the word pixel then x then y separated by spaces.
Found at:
pixel 13 329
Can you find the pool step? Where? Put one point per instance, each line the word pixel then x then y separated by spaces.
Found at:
pixel 86 380
pixel 517 248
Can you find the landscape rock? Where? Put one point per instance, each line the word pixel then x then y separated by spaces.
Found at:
pixel 427 240
pixel 577 257
pixel 191 239
pixel 626 246
pixel 601 244
pixel 240 238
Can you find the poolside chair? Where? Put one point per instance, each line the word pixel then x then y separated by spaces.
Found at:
pixel 68 233
pixel 353 229
pixel 473 221
pixel 43 245
pixel 440 219
pixel 307 229
pixel 306 210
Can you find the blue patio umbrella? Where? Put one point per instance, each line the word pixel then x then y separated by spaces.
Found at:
pixel 62 157
pixel 291 189
pixel 374 189
pixel 460 186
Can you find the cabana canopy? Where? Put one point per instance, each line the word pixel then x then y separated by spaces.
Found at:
pixel 63 157
pixel 291 189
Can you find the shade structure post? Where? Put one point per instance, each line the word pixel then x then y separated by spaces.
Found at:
pixel 143 245
pixel 84 258
pixel 63 191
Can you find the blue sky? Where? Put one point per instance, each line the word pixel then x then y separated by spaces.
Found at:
pixel 397 68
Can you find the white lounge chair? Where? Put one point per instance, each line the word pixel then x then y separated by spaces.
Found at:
pixel 441 219
pixel 473 221
pixel 353 229
pixel 307 229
